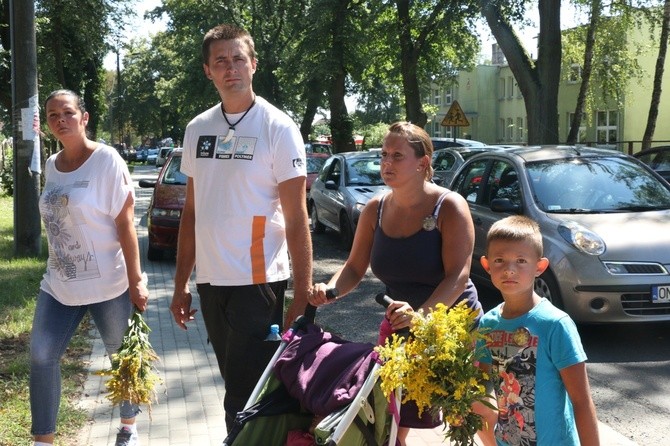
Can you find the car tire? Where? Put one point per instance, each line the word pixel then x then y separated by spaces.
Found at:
pixel 316 225
pixel 546 286
pixel 154 254
pixel 346 233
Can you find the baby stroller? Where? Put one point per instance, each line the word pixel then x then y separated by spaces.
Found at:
pixel 317 389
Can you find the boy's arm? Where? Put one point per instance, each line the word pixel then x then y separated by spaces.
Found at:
pixel 577 384
pixel 489 416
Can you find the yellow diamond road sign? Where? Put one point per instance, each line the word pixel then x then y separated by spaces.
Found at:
pixel 455 116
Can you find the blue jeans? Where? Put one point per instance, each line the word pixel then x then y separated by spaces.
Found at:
pixel 54 325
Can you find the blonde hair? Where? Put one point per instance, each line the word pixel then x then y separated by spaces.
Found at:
pixel 418 140
pixel 516 228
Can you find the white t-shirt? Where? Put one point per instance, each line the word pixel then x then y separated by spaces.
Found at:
pixel 240 235
pixel 86 264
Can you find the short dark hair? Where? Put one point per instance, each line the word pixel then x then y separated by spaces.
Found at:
pixel 516 228
pixel 65 92
pixel 227 32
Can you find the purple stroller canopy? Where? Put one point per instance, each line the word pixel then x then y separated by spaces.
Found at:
pixel 323 371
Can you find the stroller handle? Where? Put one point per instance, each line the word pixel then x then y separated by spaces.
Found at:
pixel 383 300
pixel 310 310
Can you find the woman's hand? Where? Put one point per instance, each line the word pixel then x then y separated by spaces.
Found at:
pixel 139 295
pixel 317 295
pixel 399 314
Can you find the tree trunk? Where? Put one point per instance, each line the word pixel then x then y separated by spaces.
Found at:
pixel 341 125
pixel 658 78
pixel 408 56
pixel 538 80
pixel 596 9
pixel 313 100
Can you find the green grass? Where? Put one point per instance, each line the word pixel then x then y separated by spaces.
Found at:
pixel 19 285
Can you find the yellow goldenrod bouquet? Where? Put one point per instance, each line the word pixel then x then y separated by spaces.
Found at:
pixel 436 366
pixel 133 374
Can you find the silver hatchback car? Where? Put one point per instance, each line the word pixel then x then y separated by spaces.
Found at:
pixel 345 184
pixel 604 217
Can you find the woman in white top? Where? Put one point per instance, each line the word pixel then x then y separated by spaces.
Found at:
pixel 87 207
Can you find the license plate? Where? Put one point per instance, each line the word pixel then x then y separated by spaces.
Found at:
pixel 660 294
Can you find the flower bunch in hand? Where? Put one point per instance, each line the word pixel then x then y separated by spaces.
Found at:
pixel 436 366
pixel 133 373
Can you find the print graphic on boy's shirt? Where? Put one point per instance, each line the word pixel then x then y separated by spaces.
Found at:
pixel 70 256
pixel 206 146
pixel 514 368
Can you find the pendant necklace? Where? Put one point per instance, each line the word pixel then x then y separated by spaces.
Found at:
pixel 231 127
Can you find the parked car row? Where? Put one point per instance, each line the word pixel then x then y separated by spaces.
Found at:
pixel 603 216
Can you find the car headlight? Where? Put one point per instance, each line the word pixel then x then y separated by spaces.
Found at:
pixel 173 213
pixel 581 238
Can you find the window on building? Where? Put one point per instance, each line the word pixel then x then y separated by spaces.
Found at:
pixel 448 95
pixel 501 130
pixel 501 85
pixel 607 126
pixel 510 87
pixel 519 129
pixel 510 129
pixel 518 91
pixel 575 74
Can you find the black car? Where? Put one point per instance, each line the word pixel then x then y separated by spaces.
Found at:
pixel 345 184
pixel 447 161
pixel 658 158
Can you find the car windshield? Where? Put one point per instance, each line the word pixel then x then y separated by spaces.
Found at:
pixel 592 185
pixel 172 173
pixel 364 172
pixel 314 165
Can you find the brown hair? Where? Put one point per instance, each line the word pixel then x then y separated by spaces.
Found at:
pixel 417 138
pixel 227 32
pixel 516 228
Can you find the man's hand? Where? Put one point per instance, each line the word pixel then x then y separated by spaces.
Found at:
pixel 181 308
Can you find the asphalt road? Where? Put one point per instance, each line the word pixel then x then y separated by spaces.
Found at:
pixel 628 365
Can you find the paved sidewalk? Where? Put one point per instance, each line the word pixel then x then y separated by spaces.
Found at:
pixel 189 410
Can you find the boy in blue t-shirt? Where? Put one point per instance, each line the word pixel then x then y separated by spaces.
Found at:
pixel 534 355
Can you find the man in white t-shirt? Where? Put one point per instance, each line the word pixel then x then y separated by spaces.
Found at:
pixel 244 213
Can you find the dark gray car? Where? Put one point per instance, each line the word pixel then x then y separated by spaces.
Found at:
pixel 345 184
pixel 447 161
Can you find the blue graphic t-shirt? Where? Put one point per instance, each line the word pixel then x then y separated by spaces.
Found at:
pixel 526 355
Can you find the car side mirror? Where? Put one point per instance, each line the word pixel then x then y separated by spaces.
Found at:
pixel 505 205
pixel 330 184
pixel 147 183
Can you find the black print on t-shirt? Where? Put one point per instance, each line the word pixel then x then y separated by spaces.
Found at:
pixel 206 146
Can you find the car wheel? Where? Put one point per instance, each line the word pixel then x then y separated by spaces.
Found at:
pixel 317 226
pixel 346 233
pixel 154 254
pixel 546 286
